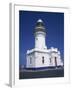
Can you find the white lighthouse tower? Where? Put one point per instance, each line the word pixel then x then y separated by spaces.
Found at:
pixel 40 56
pixel 40 35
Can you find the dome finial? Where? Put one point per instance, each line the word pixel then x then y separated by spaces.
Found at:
pixel 39 20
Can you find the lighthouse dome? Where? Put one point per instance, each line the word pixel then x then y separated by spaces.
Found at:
pixel 40 26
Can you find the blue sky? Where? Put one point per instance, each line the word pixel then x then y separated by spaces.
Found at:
pixel 54 24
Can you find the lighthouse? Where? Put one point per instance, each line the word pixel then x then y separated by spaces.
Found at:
pixel 40 34
pixel 40 56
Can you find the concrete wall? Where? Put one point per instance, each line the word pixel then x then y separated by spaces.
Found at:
pixel 30 60
pixel 40 40
pixel 38 59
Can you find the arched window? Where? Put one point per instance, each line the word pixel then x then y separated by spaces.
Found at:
pixel 43 60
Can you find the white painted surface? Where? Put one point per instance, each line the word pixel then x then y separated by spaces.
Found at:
pixel 40 40
pixel 36 57
pixel 30 61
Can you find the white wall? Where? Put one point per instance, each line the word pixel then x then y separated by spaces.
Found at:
pixel 4 45
pixel 38 60
pixel 34 59
pixel 31 63
pixel 40 40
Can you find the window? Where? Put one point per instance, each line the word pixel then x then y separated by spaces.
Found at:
pixel 36 38
pixel 43 60
pixel 50 60
pixel 55 61
pixel 30 60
